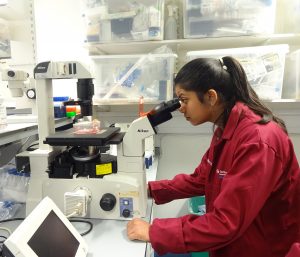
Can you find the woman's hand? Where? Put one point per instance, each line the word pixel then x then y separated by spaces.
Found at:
pixel 138 229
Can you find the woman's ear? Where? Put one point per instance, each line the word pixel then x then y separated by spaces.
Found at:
pixel 212 96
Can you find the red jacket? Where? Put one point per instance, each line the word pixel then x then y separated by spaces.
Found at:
pixel 294 251
pixel 250 177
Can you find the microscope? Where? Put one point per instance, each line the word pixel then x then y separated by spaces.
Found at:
pixel 19 83
pixel 72 169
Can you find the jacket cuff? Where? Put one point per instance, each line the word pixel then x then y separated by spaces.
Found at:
pixel 166 236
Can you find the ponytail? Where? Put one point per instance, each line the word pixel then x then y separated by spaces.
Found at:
pixel 243 92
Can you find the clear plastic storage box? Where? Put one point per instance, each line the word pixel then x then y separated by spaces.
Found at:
pixel 264 66
pixel 127 78
pixel 291 81
pixel 87 127
pixel 123 20
pixel 208 18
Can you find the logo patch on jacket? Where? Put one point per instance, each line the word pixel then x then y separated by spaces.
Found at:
pixel 209 162
pixel 221 173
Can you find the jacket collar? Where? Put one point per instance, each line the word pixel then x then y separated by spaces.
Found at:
pixel 238 111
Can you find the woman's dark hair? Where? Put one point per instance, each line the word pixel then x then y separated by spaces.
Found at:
pixel 228 78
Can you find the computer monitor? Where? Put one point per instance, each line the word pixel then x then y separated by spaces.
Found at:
pixel 46 232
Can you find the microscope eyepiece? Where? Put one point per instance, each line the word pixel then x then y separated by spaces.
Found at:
pixel 162 112
pixel 173 104
pixel 168 106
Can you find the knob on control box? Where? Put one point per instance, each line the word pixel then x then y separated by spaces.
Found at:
pixel 108 202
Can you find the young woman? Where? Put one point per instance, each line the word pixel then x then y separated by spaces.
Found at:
pixel 250 176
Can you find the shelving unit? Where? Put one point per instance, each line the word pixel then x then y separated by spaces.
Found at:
pixel 183 45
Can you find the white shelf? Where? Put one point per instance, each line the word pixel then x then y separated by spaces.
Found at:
pixel 284 105
pixel 193 44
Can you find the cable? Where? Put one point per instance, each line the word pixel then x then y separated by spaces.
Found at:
pixel 72 214
pixel 71 220
pixel 78 210
pixel 84 221
pixel 31 148
pixel 22 145
pixel 3 238
pixel 2 221
pixel 6 229
pixel 1 243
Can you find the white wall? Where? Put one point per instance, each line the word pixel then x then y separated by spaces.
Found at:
pixel 180 153
pixel 296 141
pixel 60 37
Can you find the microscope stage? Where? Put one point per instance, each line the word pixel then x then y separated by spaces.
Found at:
pixel 69 138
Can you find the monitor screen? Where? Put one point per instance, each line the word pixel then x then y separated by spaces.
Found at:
pixel 46 232
pixel 53 239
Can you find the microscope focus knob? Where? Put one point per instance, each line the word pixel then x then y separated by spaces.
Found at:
pixel 126 213
pixel 30 93
pixel 11 73
pixel 108 202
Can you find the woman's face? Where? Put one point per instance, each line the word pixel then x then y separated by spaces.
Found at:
pixel 194 111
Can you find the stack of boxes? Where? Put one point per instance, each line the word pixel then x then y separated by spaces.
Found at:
pixel 124 79
pixel 119 21
pixel 264 66
pixel 291 78
pixel 60 110
pixel 209 18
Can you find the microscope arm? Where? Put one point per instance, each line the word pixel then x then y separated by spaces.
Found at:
pixel 133 141
pixel 143 127
pixel 44 73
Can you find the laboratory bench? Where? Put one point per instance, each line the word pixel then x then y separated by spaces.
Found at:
pixel 108 238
